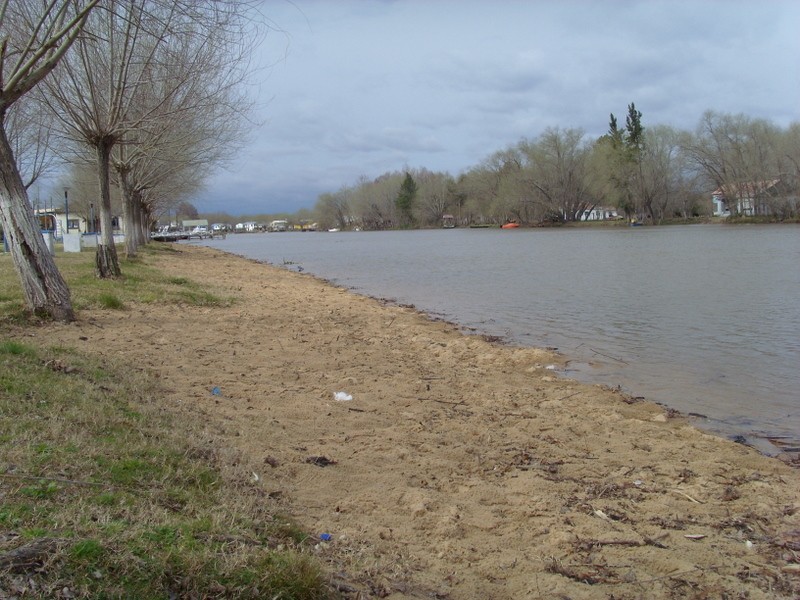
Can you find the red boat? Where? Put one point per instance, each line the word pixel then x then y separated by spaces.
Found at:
pixel 511 225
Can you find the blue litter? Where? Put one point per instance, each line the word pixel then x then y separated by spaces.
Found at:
pixel 325 537
pixel 216 391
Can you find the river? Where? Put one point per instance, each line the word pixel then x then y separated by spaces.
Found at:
pixel 704 319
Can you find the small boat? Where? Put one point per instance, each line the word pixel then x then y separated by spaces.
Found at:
pixel 511 225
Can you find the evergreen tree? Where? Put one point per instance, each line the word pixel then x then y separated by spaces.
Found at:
pixel 628 149
pixel 634 140
pixel 405 201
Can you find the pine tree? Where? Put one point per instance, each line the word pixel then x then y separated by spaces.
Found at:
pixel 628 146
pixel 405 200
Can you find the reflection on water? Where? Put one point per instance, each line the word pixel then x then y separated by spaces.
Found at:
pixel 704 319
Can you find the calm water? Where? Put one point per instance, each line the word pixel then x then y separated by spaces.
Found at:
pixel 702 318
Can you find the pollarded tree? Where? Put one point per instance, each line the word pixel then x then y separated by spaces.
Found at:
pixel 34 37
pixel 194 127
pixel 105 90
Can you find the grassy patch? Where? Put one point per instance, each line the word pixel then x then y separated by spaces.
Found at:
pixel 140 283
pixel 119 498
pixel 113 496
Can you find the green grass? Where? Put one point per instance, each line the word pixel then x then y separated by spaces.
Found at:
pixel 141 283
pixel 122 497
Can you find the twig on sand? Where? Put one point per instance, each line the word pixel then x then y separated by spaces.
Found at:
pixel 687 496
pixel 451 403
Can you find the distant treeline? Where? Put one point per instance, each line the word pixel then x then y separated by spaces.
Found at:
pixel 647 174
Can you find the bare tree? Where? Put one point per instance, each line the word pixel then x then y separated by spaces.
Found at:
pixel 434 196
pixel 29 133
pixel 558 162
pixel 35 35
pixel 140 59
pixel 742 157
pixel 333 210
pixel 197 109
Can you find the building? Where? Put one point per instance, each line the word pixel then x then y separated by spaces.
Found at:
pixel 278 225
pixel 600 213
pixel 54 220
pixel 753 198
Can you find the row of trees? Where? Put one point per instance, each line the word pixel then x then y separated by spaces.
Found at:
pixel 144 96
pixel 649 174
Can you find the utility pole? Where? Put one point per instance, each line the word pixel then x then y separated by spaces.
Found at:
pixel 66 207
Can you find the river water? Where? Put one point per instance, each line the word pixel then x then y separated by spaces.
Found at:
pixel 702 318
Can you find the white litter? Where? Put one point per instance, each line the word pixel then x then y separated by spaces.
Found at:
pixel 342 396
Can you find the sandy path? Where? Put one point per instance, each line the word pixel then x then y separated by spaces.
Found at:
pixel 462 469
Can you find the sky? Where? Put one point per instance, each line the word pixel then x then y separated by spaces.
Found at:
pixel 357 88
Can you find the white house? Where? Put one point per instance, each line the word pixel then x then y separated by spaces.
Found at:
pixel 55 221
pixel 748 199
pixel 600 213
pixel 278 225
pixel 247 226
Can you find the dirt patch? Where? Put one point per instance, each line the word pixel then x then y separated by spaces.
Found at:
pixel 460 468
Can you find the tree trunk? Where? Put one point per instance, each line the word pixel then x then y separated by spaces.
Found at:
pixel 140 219
pixel 106 261
pixel 45 291
pixel 128 214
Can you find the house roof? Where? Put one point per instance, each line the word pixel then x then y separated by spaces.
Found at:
pixel 746 189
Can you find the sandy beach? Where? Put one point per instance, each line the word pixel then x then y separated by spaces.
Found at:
pixel 445 465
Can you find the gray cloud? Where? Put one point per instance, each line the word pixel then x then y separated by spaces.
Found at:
pixel 369 86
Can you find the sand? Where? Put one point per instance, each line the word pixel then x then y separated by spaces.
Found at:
pixel 461 468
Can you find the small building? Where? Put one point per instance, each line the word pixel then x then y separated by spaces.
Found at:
pixel 753 198
pixel 55 221
pixel 278 225
pixel 600 213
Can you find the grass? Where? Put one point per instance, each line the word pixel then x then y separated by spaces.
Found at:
pixel 107 493
pixel 141 283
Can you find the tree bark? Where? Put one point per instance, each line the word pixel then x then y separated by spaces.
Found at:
pixel 129 215
pixel 106 261
pixel 45 291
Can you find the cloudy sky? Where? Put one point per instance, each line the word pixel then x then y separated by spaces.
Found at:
pixel 354 88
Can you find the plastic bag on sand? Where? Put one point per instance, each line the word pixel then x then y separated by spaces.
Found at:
pixel 342 396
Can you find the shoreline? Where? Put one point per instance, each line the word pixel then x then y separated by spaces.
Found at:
pixel 779 445
pixel 459 467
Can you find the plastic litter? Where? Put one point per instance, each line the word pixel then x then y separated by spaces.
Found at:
pixel 215 391
pixel 342 396
pixel 325 537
